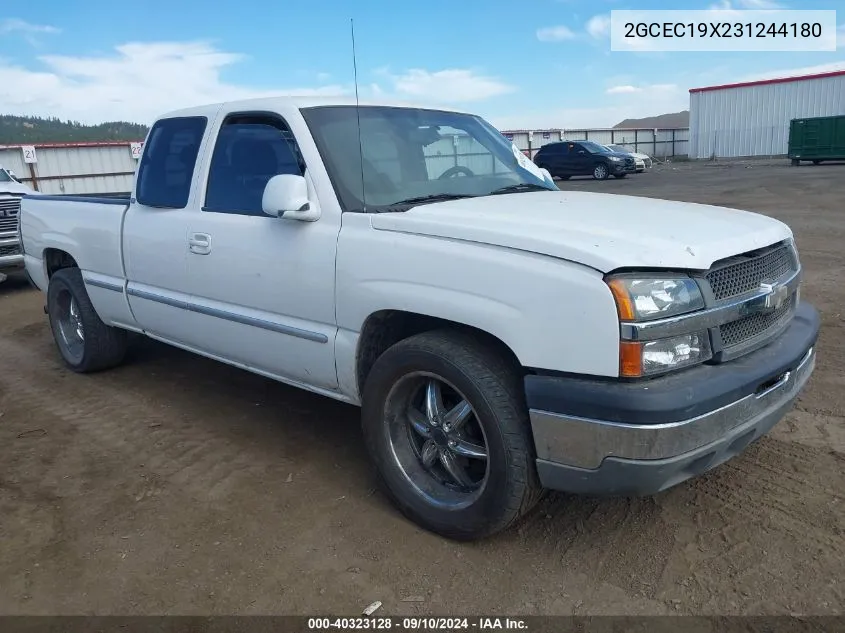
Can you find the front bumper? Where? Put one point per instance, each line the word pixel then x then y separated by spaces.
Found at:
pixel 10 253
pixel 638 438
pixel 622 168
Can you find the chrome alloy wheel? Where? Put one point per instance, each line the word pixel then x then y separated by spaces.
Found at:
pixel 436 440
pixel 71 332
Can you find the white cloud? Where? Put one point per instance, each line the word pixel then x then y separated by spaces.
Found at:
pixel 727 5
pixel 598 26
pixel 16 25
pixel 137 82
pixel 455 84
pixel 555 34
pixel 621 90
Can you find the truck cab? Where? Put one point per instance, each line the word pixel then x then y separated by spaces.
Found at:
pixel 502 337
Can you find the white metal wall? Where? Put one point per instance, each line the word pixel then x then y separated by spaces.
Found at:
pixel 754 120
pixel 659 143
pixel 81 168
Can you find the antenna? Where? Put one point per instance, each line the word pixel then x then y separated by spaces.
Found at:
pixel 358 115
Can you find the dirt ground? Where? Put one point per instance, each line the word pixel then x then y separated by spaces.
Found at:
pixel 177 485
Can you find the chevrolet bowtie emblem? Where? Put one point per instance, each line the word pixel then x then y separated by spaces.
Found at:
pixel 774 296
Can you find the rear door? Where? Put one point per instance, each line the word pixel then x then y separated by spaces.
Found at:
pixel 155 230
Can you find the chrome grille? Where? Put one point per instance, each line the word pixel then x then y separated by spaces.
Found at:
pixel 9 209
pixel 743 274
pixel 755 327
pixel 14 249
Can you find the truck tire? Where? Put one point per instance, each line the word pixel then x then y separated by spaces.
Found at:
pixel 85 343
pixel 435 403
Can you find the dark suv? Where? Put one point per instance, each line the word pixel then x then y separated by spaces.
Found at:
pixel 583 158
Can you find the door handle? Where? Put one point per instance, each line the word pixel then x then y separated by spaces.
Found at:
pixel 200 243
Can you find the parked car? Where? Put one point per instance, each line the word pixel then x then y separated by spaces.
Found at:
pixel 564 159
pixel 501 336
pixel 11 192
pixel 643 161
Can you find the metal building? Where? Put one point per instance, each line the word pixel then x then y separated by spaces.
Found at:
pixel 74 168
pixel 752 118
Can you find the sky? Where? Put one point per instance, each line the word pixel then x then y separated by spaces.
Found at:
pixel 520 64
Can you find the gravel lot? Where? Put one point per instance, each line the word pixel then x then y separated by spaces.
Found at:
pixel 178 485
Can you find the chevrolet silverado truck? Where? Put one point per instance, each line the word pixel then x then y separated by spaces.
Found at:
pixel 501 336
pixel 11 192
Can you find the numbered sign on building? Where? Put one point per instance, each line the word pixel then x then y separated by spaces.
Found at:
pixel 136 150
pixel 29 155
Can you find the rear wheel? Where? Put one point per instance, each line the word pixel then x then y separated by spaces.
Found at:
pixel 85 343
pixel 446 425
pixel 601 172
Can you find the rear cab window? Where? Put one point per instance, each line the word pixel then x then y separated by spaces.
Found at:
pixel 168 161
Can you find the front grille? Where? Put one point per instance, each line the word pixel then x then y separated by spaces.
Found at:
pixel 629 161
pixel 9 209
pixel 13 249
pixel 754 328
pixel 744 274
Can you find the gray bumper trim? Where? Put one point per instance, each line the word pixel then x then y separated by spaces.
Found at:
pixel 586 444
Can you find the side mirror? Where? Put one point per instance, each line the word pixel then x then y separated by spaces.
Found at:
pixel 581 151
pixel 286 196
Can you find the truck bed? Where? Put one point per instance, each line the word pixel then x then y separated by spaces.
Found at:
pixel 87 228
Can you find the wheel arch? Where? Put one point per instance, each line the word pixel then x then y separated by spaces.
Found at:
pixel 385 328
pixel 55 259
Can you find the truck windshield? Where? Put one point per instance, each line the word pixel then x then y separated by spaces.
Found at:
pixel 412 156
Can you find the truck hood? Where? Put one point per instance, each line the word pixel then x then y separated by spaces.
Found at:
pixel 15 188
pixel 603 231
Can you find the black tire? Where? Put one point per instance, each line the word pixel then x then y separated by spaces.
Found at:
pixel 601 172
pixel 99 346
pixel 493 388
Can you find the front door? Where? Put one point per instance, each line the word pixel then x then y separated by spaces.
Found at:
pixel 263 287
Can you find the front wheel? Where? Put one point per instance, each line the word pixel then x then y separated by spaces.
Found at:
pixel 84 341
pixel 601 172
pixel 446 425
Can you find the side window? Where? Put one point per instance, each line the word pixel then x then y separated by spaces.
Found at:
pixel 250 149
pixel 168 161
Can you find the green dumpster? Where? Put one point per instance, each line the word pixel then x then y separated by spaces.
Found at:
pixel 817 139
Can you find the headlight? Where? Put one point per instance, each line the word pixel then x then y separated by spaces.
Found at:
pixel 657 357
pixel 644 299
pixel 615 159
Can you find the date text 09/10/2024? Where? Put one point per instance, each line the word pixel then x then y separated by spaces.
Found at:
pixel 417 623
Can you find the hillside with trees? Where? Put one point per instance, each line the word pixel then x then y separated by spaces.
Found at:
pixel 16 130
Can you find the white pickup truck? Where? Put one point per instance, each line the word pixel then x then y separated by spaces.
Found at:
pixel 501 336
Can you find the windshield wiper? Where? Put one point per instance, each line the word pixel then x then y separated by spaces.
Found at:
pixel 434 197
pixel 518 187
